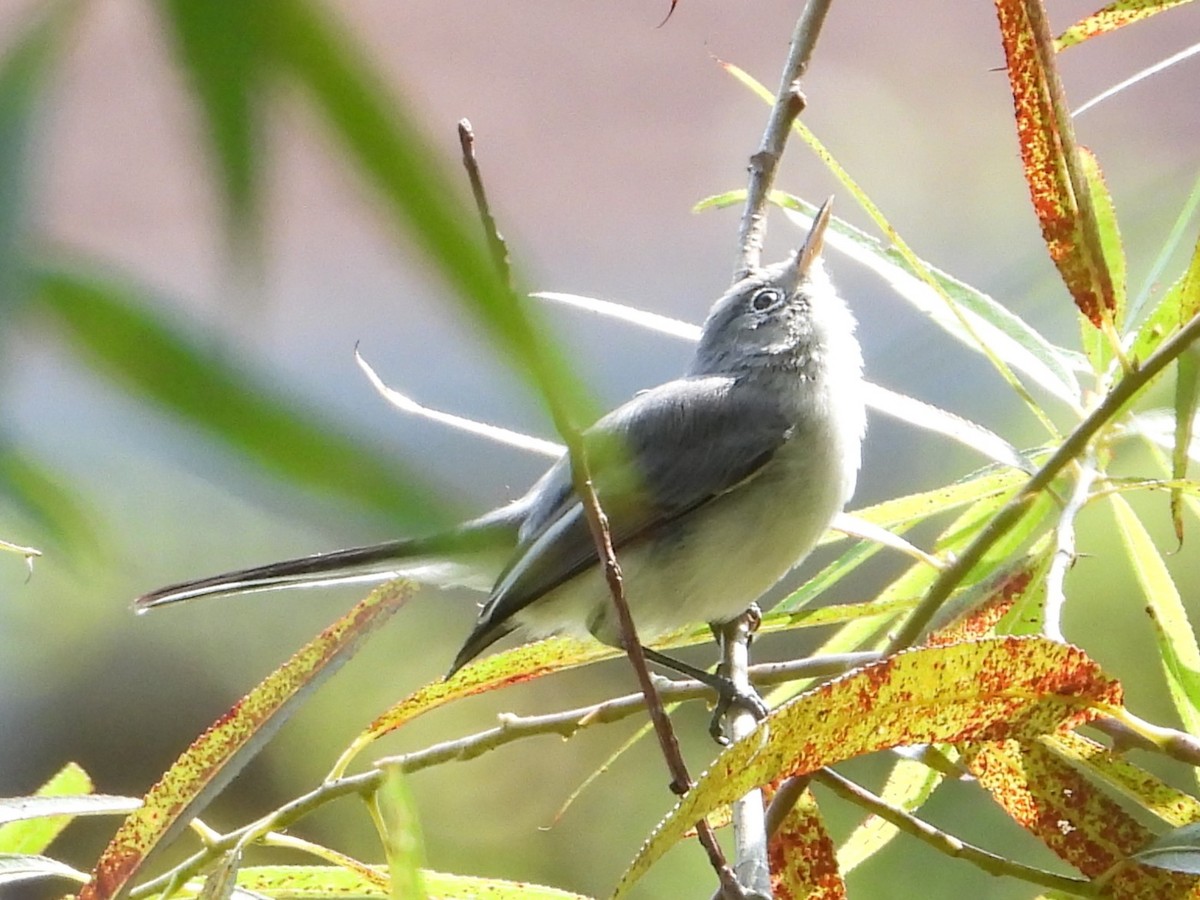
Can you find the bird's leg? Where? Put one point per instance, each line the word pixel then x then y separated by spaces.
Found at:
pixel 728 693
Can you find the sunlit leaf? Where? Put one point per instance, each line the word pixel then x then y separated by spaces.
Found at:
pixel 987 690
pixel 1169 804
pixel 215 757
pixel 1004 333
pixel 802 855
pixel 1178 306
pixel 31 823
pixel 908 786
pixel 323 882
pixel 114 328
pixel 15 867
pixel 1187 395
pixel 1048 150
pixel 1069 814
pixel 1111 17
pixel 1099 344
pixel 1176 639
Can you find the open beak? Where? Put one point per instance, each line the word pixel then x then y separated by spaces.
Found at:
pixel 811 248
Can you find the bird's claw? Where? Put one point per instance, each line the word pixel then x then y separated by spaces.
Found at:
pixel 729 696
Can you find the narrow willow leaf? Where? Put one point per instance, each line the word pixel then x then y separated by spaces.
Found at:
pixel 215 757
pixel 375 129
pixel 220 48
pixel 1141 75
pixel 1180 232
pixel 986 690
pixel 802 855
pixel 15 867
pixel 112 326
pixel 1100 344
pixel 1111 17
pixel 37 492
pixel 401 836
pixel 1169 804
pixel 1176 639
pixel 1047 142
pixel 1053 800
pixel 1179 305
pixel 1006 334
pixel 221 882
pixel 1177 850
pixel 34 834
pixel 1187 395
pixel 321 882
pixel 24 69
pixel 909 785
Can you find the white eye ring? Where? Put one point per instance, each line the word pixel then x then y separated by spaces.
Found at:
pixel 766 298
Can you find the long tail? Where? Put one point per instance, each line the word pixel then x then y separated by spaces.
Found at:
pixel 470 556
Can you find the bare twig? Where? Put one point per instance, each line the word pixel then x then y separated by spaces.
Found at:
pixel 1064 550
pixel 1071 448
pixel 512 728
pixel 948 843
pixel 789 102
pixel 751 863
pixel 598 525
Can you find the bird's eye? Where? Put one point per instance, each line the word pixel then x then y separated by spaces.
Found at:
pixel 765 299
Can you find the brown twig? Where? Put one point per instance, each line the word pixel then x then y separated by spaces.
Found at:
pixel 789 103
pixel 598 525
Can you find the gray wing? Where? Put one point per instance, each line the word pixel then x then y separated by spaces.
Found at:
pixel 660 456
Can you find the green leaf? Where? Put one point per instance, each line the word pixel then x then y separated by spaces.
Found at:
pixel 401 836
pixel 416 193
pixel 1187 394
pixel 1109 18
pixel 1177 307
pixel 1178 850
pixel 113 327
pixel 1176 639
pixel 321 882
pixel 1010 337
pixel 1098 343
pixel 37 493
pixel 24 71
pixel 220 47
pixel 215 757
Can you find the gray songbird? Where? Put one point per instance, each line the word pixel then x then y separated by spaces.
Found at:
pixel 715 484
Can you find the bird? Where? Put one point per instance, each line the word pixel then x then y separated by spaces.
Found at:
pixel 715 484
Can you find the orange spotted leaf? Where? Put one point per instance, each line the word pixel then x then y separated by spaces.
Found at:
pixel 1057 185
pixel 992 689
pixel 1071 816
pixel 1110 18
pixel 216 756
pixel 803 857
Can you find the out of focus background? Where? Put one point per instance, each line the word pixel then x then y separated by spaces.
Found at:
pixel 599 127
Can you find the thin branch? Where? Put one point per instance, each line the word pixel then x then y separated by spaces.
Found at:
pixel 512 728
pixel 751 863
pixel 1064 550
pixel 789 102
pixel 1072 447
pixel 948 843
pixel 597 521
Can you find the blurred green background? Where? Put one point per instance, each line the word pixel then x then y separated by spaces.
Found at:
pixel 597 132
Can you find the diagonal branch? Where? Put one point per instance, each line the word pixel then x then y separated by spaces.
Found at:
pixel 1070 449
pixel 598 525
